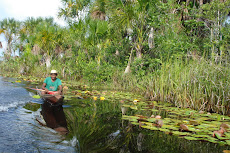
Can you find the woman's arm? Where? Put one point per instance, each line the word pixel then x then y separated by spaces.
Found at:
pixel 44 87
pixel 60 89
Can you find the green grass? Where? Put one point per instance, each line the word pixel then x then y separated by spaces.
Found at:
pixel 197 84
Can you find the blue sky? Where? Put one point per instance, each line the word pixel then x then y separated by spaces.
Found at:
pixel 21 9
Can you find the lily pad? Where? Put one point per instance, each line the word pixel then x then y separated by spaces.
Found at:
pixel 180 133
pixel 36 97
pixel 134 107
pixel 164 130
pixel 149 127
pixel 165 126
pixel 194 122
pixel 173 128
pixel 193 129
pixel 219 137
pixel 227 141
pixel 154 110
pixel 200 136
pixel 227 135
pixel 151 120
pixel 191 138
pixel 135 123
pixel 130 118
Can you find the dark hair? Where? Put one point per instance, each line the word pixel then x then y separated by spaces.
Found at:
pixel 53 73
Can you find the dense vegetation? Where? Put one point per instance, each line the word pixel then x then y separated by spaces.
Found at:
pixel 169 50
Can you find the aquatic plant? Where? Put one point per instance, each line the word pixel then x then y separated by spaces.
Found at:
pixel 185 123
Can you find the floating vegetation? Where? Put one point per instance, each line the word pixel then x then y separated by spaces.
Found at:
pixel 191 138
pixel 185 123
pixel 36 96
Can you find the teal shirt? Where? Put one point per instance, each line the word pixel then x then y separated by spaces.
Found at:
pixel 52 86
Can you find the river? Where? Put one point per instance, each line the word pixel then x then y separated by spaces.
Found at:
pixel 19 130
pixel 94 126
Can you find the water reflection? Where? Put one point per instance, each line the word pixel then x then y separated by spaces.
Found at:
pixel 54 117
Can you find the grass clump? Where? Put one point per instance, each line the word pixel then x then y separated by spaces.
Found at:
pixel 197 84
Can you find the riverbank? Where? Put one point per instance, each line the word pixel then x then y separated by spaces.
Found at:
pixel 199 84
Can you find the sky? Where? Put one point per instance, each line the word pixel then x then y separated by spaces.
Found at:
pixel 21 9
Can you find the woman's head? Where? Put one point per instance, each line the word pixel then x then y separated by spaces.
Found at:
pixel 53 74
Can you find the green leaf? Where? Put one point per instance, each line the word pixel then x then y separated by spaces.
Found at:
pixel 149 127
pixel 36 97
pixel 180 133
pixel 227 134
pixel 164 130
pixel 219 137
pixel 190 138
pixel 228 142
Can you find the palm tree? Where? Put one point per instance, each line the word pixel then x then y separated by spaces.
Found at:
pixel 71 9
pixel 130 16
pixel 9 28
pixel 44 36
pixel 98 9
pixel 46 41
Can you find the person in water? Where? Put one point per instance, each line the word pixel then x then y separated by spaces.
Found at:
pixel 53 114
pixel 52 83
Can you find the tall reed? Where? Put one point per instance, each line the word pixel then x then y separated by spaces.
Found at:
pixel 198 84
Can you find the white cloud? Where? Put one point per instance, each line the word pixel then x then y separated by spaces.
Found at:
pixel 21 9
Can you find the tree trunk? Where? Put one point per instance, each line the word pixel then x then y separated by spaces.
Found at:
pixel 8 52
pixel 63 72
pixel 138 51
pixel 127 69
pixel 187 2
pixel 211 39
pixel 151 39
pixel 201 3
pixel 48 61
pixel 9 47
pixel 117 53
